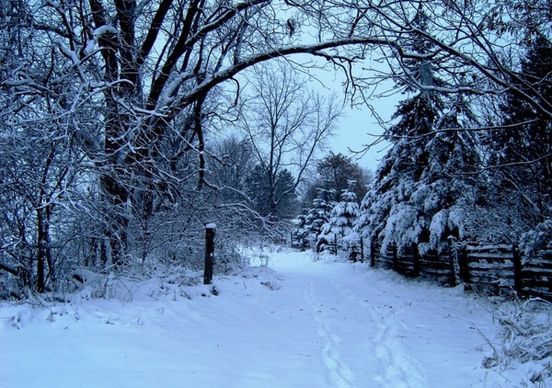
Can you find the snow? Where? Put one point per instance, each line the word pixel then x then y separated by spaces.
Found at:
pixel 437 227
pixel 68 52
pixel 105 29
pixel 90 47
pixel 401 228
pixel 297 323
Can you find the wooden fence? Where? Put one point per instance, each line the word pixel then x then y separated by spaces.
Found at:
pixel 490 269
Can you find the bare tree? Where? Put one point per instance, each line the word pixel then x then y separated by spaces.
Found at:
pixel 231 162
pixel 286 126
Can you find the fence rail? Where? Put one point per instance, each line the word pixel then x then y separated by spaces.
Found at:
pixel 486 268
pixel 492 269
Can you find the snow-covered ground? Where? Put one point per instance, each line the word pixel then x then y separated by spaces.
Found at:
pixel 297 323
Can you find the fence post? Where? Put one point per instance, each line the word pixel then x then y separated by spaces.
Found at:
pixel 209 252
pixel 395 258
pixel 464 266
pixel 416 261
pixel 453 281
pixel 335 244
pixel 372 253
pixel 518 269
pixel 361 249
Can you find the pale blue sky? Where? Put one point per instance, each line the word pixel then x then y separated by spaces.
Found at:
pixel 358 125
pixel 357 128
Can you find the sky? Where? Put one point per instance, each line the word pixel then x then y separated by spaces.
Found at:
pixel 357 127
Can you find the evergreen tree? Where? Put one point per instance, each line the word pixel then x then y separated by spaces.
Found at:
pixel 522 150
pixel 386 207
pixel 421 191
pixel 447 191
pixel 300 231
pixel 425 190
pixel 520 161
pixel 342 217
pixel 277 199
pixel 335 171
pixel 319 214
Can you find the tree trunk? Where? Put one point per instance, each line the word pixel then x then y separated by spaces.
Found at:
pixel 48 246
pixel 43 249
pixel 116 222
pixel 209 253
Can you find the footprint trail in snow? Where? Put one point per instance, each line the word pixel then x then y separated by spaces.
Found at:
pixel 338 373
pixel 395 367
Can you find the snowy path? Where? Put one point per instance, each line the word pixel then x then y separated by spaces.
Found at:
pixel 328 325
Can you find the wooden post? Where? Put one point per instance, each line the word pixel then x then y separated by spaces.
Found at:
pixel 452 258
pixel 373 253
pixel 518 268
pixel 361 250
pixel 394 251
pixel 209 253
pixel 464 266
pixel 415 261
pixel 335 244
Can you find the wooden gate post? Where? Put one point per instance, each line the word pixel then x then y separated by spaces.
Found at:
pixel 415 261
pixel 209 252
pixel 464 265
pixel 372 253
pixel 361 249
pixel 453 281
pixel 518 268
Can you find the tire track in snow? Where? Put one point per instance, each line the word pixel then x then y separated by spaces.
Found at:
pixel 396 368
pixel 338 373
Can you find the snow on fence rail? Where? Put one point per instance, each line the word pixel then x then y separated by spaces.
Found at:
pixel 484 268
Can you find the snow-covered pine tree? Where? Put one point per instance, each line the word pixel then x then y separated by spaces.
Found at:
pixel 420 190
pixel 387 216
pixel 430 201
pixel 334 172
pixel 318 214
pixel 447 192
pixel 520 153
pixel 300 231
pixel 342 218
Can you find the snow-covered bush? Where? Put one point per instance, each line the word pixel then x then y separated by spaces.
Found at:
pixel 156 281
pixel 352 244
